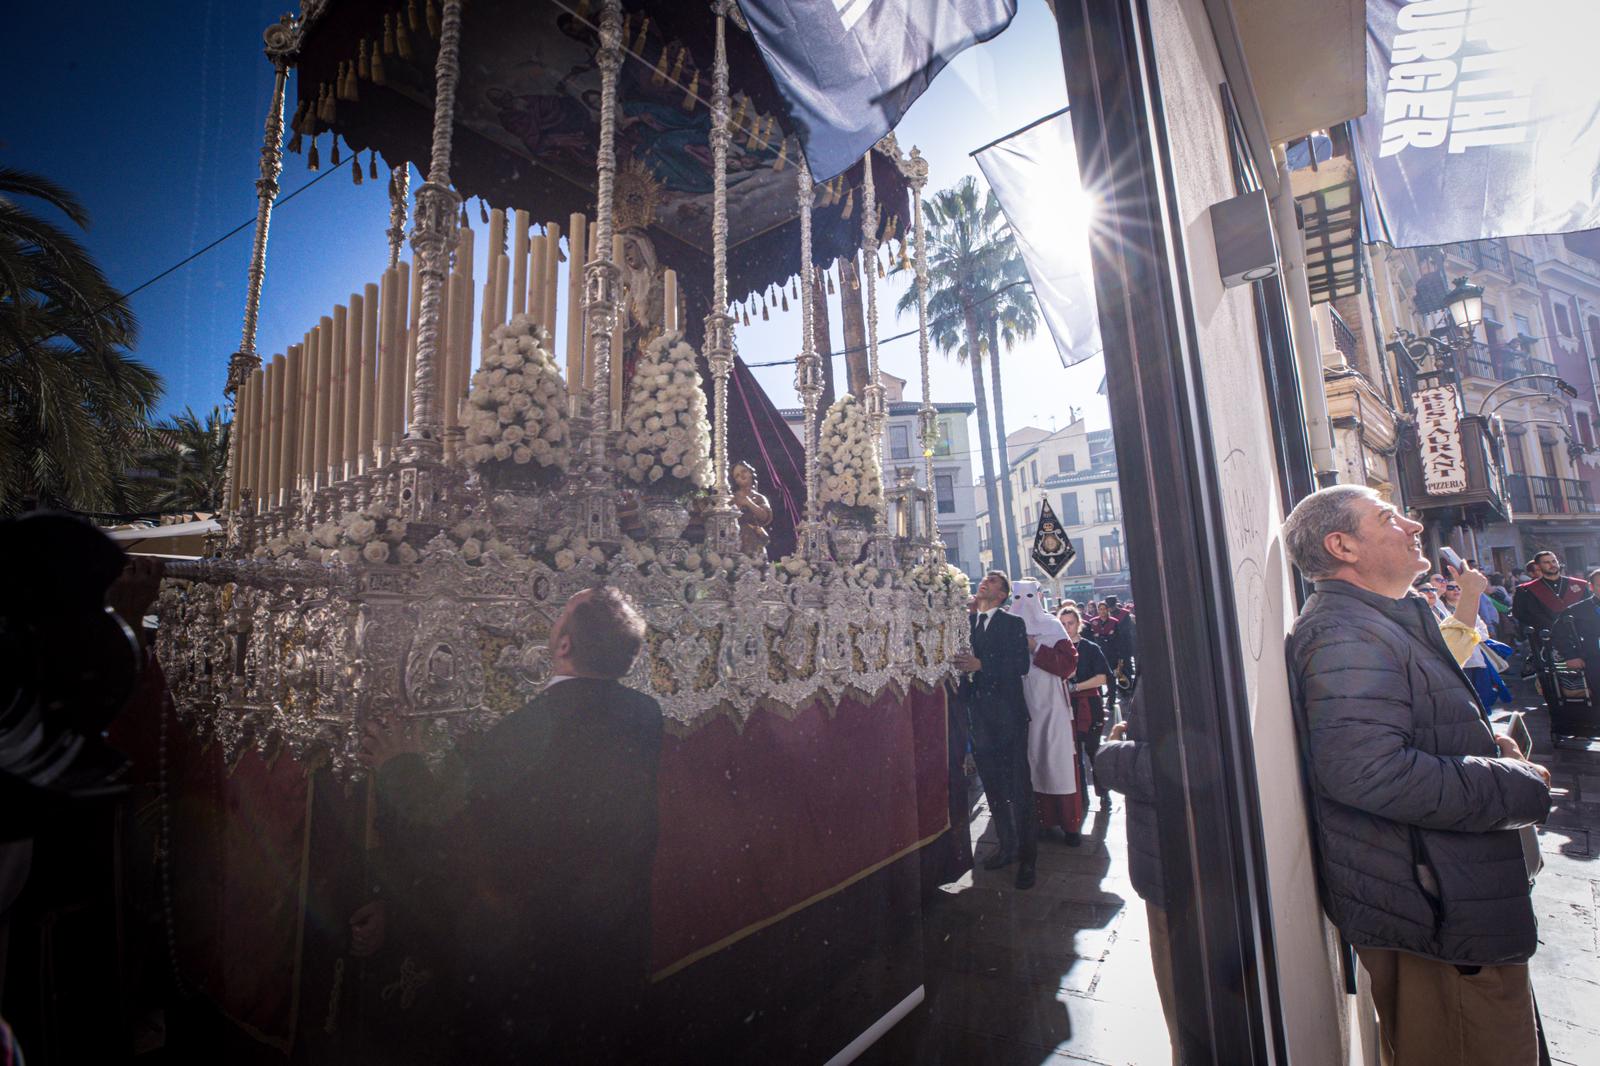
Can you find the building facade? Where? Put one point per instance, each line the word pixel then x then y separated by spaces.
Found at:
pixel 1541 322
pixel 1075 468
pixel 952 465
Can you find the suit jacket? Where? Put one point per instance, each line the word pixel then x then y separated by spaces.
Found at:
pixel 535 872
pixel 995 703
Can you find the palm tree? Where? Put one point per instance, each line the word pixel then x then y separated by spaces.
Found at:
pixel 73 404
pixel 190 460
pixel 1013 316
pixel 965 261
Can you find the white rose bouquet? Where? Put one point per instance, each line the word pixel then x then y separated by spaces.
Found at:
pixel 666 437
pixel 851 482
pixel 517 408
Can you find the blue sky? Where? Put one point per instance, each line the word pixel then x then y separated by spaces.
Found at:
pixel 152 115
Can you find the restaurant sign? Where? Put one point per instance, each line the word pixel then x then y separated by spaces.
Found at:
pixel 1444 469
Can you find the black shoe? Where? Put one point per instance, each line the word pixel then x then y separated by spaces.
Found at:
pixel 998 861
pixel 1074 840
pixel 1026 876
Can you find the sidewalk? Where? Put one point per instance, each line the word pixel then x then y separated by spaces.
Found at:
pixel 1058 974
pixel 1061 974
pixel 1566 896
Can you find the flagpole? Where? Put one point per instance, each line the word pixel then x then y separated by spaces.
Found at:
pixel 1021 130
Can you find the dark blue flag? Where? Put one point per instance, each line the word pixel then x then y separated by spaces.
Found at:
pixel 1483 119
pixel 850 68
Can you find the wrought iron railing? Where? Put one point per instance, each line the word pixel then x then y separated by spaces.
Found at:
pixel 1550 495
pixel 1478 362
pixel 1344 338
pixel 1522 269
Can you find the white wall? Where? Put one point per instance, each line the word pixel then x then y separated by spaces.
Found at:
pixel 1309 976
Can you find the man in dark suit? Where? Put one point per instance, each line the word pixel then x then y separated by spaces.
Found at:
pixel 992 690
pixel 531 877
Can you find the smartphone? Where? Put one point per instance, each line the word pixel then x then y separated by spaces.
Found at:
pixel 1451 559
pixel 1517 730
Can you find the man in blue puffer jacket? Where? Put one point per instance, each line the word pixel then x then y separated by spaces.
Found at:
pixel 1418 805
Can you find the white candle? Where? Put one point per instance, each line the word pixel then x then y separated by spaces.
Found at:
pixel 274 392
pixel 350 420
pixel 577 230
pixel 290 402
pixel 388 341
pixel 519 259
pixel 552 273
pixel 404 378
pixel 367 415
pixel 334 460
pixel 669 300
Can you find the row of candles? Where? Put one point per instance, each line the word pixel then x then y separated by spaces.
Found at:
pixel 335 405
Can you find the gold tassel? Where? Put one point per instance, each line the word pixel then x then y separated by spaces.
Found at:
pixel 831 289
pixel 583 9
pixel 849 203
pixel 402 40
pixel 335 154
pixel 677 65
pixel 753 142
pixel 352 87
pixel 388 35
pixel 764 317
pixel 355 169
pixel 483 212
pixel 855 279
pixel 328 108
pixel 658 76
pixel 747 318
pixel 875 259
pixel 463 220
pixel 693 92
pixel 738 114
pixel 433 19
pixel 795 285
pixel 364 61
pixel 338 80
pixel 783 156
pixel 295 143
pixel 298 122
pixel 379 75
pixel 627 28
pixel 413 15
pixel 372 164
pixel 785 302
pixel 766 133
pixel 638 42
pixel 312 160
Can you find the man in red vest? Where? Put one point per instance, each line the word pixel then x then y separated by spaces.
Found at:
pixel 1537 604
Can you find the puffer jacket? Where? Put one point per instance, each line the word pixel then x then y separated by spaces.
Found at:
pixel 1124 766
pixel 1417 815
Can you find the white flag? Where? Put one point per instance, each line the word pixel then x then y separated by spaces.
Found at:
pixel 1034 175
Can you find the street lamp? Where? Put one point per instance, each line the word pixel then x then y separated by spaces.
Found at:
pixel 1429 355
pixel 1465 303
pixel 1560 383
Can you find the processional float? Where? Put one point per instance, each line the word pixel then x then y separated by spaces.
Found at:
pixel 401 529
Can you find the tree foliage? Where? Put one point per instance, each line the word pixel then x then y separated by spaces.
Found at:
pixel 74 405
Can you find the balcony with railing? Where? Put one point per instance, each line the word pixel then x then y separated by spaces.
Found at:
pixel 1478 362
pixel 1489 255
pixel 1344 338
pixel 1522 270
pixel 1550 496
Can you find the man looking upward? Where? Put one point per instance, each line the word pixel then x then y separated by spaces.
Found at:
pixel 991 688
pixel 1417 804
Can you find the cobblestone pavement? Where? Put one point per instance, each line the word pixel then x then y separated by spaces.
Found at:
pixel 1061 974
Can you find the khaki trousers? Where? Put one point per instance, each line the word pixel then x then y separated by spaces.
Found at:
pixel 1161 962
pixel 1432 1014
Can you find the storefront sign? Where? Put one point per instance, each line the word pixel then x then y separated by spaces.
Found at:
pixel 1444 470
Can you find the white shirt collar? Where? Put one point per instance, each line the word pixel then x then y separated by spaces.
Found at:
pixel 988 616
pixel 556 679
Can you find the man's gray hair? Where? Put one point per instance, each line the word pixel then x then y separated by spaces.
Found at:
pixel 1329 510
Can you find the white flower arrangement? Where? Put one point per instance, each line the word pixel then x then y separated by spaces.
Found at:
pixel 563 551
pixel 936 578
pixel 666 436
pixel 478 542
pixel 852 484
pixel 517 408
